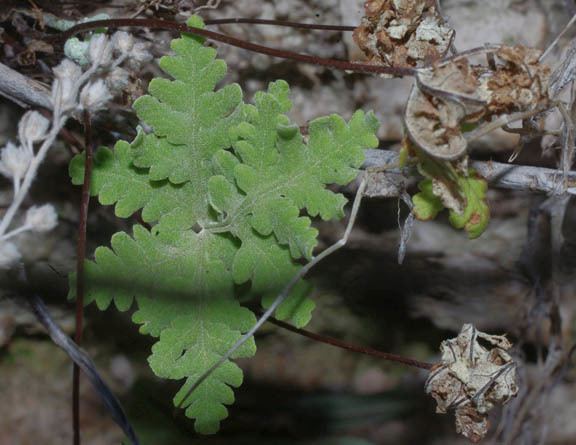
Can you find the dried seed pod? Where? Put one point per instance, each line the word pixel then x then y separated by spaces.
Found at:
pixel 472 379
pixel 455 92
pixel 403 33
pixel 433 124
pixel 519 83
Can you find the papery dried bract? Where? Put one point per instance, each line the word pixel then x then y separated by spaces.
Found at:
pixel 472 379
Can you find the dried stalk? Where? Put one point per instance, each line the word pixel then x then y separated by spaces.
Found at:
pixel 498 174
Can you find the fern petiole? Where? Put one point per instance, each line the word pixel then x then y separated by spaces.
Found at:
pixel 351 347
pixel 312 26
pixel 80 256
pixel 285 292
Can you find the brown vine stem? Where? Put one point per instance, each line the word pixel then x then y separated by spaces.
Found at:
pixel 80 255
pixel 312 26
pixel 337 64
pixel 351 347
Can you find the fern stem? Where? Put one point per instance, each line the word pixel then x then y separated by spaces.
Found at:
pixel 351 347
pixel 80 255
pixel 232 41
pixel 312 26
pixel 285 292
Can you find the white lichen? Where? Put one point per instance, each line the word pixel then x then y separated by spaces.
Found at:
pixel 77 50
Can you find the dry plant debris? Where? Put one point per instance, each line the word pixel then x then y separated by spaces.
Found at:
pixel 403 33
pixel 449 92
pixel 472 379
pixel 456 92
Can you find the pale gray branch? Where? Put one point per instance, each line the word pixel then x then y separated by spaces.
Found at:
pixel 389 182
pixel 22 90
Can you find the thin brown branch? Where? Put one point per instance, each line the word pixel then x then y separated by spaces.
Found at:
pixel 232 41
pixel 80 256
pixel 311 26
pixel 351 347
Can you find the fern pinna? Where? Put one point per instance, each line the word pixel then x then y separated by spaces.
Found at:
pixel 223 186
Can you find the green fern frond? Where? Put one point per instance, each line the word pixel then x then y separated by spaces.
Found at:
pixel 228 190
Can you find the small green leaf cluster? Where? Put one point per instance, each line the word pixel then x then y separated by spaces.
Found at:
pixel 226 191
pixel 476 215
pixel 463 194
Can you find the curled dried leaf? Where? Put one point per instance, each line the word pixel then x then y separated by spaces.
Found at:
pixel 455 92
pixel 403 33
pixel 472 379
pixel 455 80
pixel 433 124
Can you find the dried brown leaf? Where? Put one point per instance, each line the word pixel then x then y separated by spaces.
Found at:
pixel 455 92
pixel 403 33
pixel 472 379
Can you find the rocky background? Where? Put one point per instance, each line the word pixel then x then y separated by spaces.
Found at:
pixel 298 391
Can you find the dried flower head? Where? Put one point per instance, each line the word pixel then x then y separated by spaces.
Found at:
pixel 94 96
pixel 14 161
pixel 64 90
pixel 67 71
pixel 140 54
pixel 41 219
pixel 403 33
pixel 9 254
pixel 472 379
pixel 100 50
pixel 117 80
pixel 123 42
pixel 456 92
pixel 32 127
